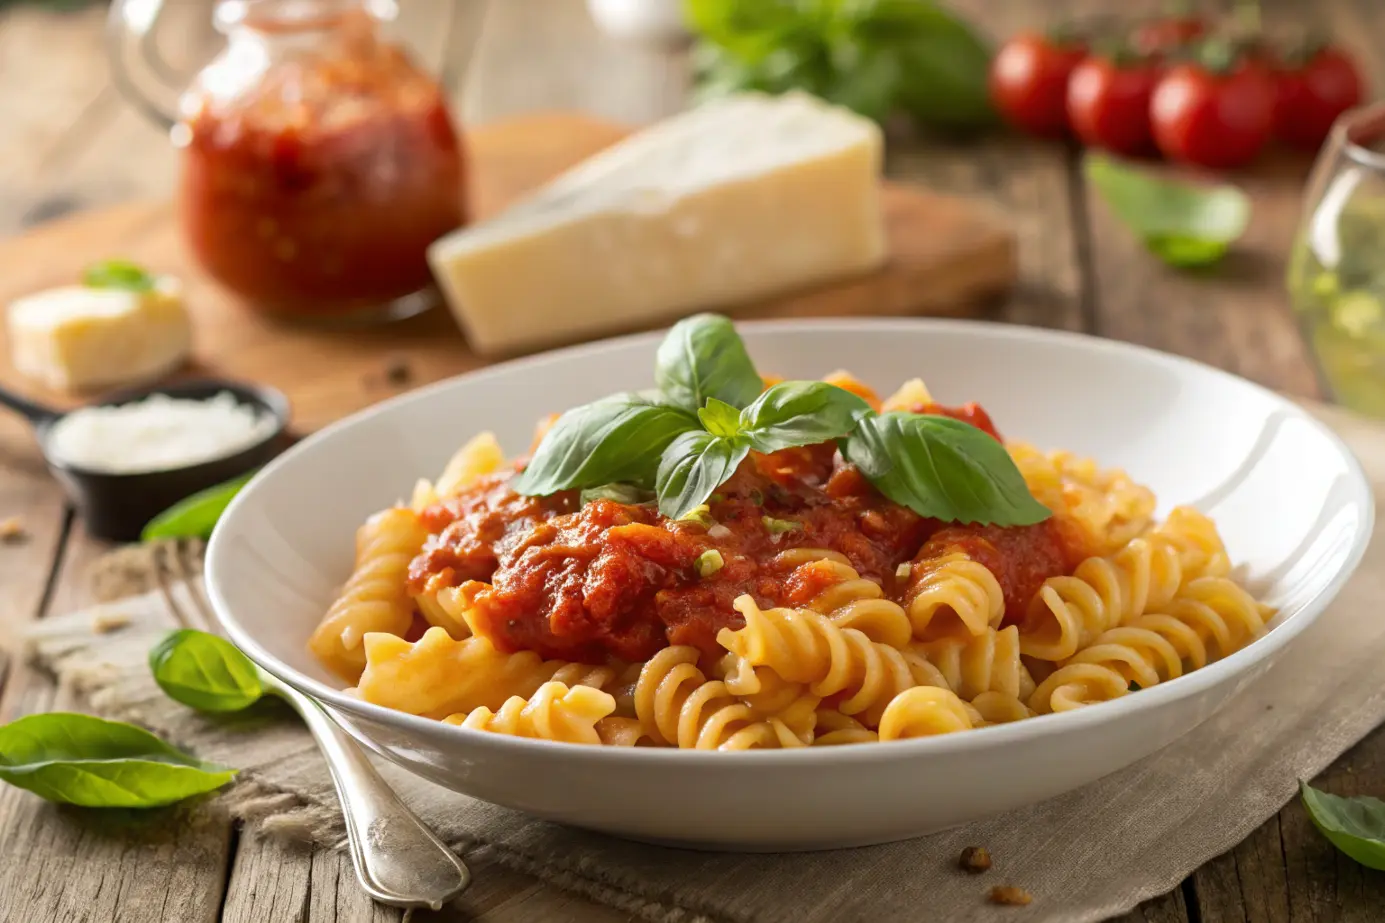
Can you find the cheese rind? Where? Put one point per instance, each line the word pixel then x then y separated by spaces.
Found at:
pixel 726 204
pixel 77 338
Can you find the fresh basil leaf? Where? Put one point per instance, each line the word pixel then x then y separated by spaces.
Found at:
pixel 694 465
pixel 195 516
pixel 118 274
pixel 205 672
pixel 794 413
pixel 1356 826
pixel 1183 224
pixel 616 439
pixel 720 418
pixel 87 761
pixel 620 493
pixel 747 30
pixel 703 357
pixel 942 468
pixel 944 65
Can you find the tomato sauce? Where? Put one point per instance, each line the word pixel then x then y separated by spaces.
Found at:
pixel 316 188
pixel 605 579
pixel 1020 557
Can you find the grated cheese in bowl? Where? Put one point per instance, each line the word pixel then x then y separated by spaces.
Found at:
pixel 157 433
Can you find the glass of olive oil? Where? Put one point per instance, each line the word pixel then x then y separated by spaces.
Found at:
pixel 1337 269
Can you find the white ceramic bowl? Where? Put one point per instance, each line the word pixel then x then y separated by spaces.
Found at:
pixel 1292 503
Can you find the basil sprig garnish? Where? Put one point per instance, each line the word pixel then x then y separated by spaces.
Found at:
pixel 711 410
pixel 704 357
pixel 942 468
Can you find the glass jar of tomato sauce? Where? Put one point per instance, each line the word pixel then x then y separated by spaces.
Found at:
pixel 319 161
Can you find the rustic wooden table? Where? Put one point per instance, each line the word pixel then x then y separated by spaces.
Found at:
pixel 69 142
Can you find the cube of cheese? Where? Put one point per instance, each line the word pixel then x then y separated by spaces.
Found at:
pixel 728 203
pixel 76 338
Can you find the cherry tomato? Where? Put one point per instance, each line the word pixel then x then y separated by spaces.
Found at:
pixel 1029 81
pixel 1214 118
pixel 1108 103
pixel 1168 33
pixel 1312 93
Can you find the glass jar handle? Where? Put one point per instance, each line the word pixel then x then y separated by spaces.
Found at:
pixel 459 42
pixel 135 60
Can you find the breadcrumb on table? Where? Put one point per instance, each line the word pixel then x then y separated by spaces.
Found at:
pixel 12 530
pixel 974 860
pixel 1011 896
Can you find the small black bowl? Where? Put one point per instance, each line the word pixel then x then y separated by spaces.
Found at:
pixel 116 507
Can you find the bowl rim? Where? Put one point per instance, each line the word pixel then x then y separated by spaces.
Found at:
pixel 1183 687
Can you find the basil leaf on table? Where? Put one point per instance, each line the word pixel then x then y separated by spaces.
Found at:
pixel 693 467
pixel 1183 224
pixel 1356 826
pixel 618 438
pixel 795 413
pixel 942 468
pixel 118 274
pixel 95 763
pixel 703 357
pixel 197 515
pixel 205 672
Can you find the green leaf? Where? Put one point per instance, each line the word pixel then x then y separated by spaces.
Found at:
pixel 720 418
pixel 780 526
pixel 694 465
pixel 616 439
pixel 78 759
pixel 1185 225
pixel 795 413
pixel 118 274
pixel 1356 826
pixel 195 516
pixel 205 672
pixel 942 468
pixel 945 69
pixel 703 357
pixel 628 494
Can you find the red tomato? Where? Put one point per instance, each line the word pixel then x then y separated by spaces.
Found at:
pixel 1169 33
pixel 1108 104
pixel 1312 94
pixel 1214 119
pixel 1029 82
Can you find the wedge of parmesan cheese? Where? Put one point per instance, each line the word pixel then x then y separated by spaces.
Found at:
pixel 728 203
pixel 76 338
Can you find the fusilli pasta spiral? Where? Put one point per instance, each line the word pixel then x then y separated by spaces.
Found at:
pixel 924 711
pixel 804 646
pixel 554 712
pixel 374 598
pixel 438 675
pixel 678 705
pixel 989 662
pixel 953 596
pixel 1143 576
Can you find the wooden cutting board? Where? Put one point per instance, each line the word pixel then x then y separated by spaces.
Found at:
pixel 946 254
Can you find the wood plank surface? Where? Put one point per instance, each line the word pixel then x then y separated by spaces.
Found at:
pixel 69 142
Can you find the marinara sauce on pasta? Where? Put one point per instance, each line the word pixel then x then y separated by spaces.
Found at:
pixel 609 579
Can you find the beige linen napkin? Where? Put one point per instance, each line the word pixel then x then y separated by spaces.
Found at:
pixel 1084 856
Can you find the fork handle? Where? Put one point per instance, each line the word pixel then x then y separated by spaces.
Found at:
pixel 398 860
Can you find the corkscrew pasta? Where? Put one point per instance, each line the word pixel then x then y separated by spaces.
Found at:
pixel 798 606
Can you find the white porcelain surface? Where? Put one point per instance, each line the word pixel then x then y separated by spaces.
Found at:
pixel 1292 504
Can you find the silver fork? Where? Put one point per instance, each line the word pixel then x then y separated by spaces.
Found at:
pixel 398 860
